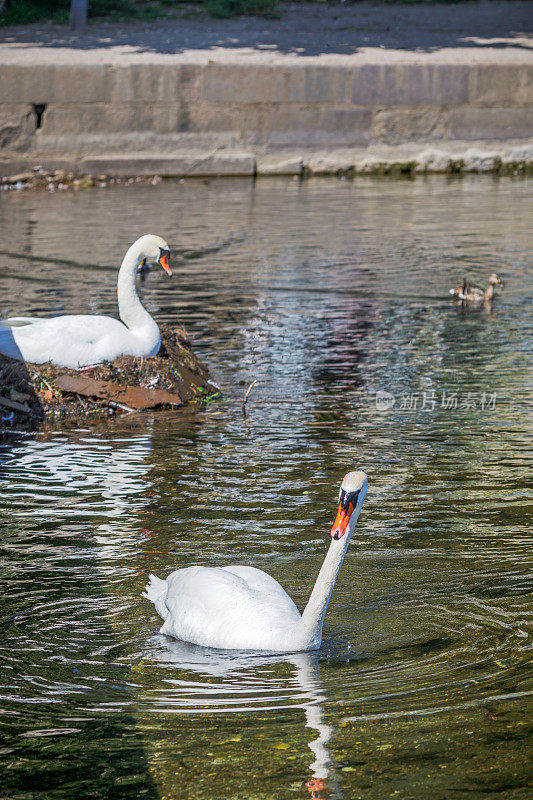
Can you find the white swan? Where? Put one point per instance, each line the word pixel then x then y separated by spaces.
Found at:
pixel 244 608
pixel 77 341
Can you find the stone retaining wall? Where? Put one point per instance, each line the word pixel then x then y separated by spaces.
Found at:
pixel 243 119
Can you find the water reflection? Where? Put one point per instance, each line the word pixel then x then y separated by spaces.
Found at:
pixel 109 473
pixel 426 656
pixel 242 686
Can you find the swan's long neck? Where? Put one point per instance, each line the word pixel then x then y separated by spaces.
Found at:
pixel 130 308
pixel 308 630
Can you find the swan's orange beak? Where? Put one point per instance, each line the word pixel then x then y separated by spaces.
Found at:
pixel 341 521
pixel 163 260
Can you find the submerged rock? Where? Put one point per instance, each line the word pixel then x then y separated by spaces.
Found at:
pixel 33 393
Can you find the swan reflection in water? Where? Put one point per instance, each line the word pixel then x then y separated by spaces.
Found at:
pixel 247 681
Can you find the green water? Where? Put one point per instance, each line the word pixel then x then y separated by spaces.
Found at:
pixel 326 292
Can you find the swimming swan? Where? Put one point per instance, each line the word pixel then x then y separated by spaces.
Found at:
pixel 77 341
pixel 243 608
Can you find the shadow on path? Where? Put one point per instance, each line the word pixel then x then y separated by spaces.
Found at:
pixel 304 30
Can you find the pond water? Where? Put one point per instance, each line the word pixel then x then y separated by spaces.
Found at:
pixel 326 292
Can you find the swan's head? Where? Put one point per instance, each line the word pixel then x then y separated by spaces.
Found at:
pixel 154 250
pixel 494 279
pixel 351 498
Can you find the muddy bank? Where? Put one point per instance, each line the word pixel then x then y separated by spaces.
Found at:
pixel 34 393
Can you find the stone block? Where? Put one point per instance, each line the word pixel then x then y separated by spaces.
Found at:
pixel 13 165
pixel 81 84
pixel 241 120
pixel 138 117
pixel 107 118
pixel 58 83
pixel 10 92
pixel 410 84
pixel 472 124
pixel 282 164
pixel 302 127
pixel 499 85
pixel 306 84
pixel 22 84
pixel 17 126
pixel 74 119
pixel 243 84
pixel 154 83
pixel 398 126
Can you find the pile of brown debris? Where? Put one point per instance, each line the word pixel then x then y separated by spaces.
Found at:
pixel 32 393
pixel 60 179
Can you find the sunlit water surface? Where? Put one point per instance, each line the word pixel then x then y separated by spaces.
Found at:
pixel 326 292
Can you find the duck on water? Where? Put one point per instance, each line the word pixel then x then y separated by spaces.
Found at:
pixel 474 294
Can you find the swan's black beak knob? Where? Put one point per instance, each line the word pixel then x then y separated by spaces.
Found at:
pixel 347 503
pixel 164 256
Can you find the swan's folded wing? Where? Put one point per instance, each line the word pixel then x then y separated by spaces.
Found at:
pixel 257 580
pixel 70 341
pixel 215 608
pixel 200 590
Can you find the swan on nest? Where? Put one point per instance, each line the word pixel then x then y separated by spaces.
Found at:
pixel 84 340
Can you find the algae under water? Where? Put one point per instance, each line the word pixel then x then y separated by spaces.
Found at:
pixel 327 292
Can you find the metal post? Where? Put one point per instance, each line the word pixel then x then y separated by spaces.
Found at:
pixel 78 14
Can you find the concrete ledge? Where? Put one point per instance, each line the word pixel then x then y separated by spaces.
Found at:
pixel 187 164
pixel 462 157
pixel 309 127
pixel 412 160
pixel 178 118
pixel 280 164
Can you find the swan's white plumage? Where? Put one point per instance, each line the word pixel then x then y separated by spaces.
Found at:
pixel 231 607
pixel 244 608
pixel 75 341
pixel 83 340
pixel 16 321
